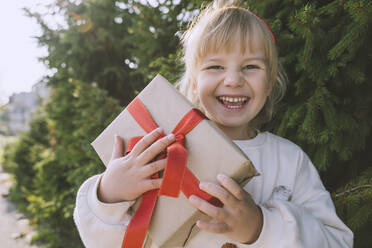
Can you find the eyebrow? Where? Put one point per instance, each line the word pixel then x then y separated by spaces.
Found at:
pixel 214 59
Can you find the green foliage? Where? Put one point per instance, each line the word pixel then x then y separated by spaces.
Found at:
pixel 51 161
pixel 108 50
pixel 19 158
pixel 324 47
pixel 4 142
pixel 101 57
pixel 171 67
pixel 354 203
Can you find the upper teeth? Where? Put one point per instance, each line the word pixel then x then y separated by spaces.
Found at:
pixel 233 99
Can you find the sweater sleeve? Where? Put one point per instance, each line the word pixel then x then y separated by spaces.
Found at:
pixel 100 224
pixel 305 219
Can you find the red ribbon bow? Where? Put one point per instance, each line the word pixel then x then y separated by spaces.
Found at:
pixel 176 177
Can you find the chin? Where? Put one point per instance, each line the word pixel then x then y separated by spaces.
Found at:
pixel 233 125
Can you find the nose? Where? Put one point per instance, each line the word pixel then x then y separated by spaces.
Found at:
pixel 233 78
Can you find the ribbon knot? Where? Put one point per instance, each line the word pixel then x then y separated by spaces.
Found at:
pixel 176 176
pixel 180 139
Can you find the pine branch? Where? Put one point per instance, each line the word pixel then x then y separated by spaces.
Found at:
pixel 353 190
pixel 361 10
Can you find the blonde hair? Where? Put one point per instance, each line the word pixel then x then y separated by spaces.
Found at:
pixel 216 28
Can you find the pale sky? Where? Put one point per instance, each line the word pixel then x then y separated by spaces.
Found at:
pixel 19 67
pixel 19 51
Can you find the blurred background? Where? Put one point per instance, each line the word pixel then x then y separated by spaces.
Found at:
pixel 67 68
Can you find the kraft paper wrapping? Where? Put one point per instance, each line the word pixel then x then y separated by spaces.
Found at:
pixel 210 152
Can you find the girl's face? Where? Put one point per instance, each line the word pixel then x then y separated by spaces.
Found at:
pixel 233 88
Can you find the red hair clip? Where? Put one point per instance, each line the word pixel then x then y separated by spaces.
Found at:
pixel 267 26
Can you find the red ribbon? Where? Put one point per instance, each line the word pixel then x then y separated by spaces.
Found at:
pixel 177 177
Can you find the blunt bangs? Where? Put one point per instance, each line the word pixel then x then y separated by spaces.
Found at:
pixel 228 30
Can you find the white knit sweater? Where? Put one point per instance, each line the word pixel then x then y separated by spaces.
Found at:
pixel 297 210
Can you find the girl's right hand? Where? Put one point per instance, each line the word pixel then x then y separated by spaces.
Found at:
pixel 127 177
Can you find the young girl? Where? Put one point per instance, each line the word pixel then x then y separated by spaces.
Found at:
pixel 232 75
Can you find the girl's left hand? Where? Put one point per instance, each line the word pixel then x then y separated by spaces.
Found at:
pixel 240 219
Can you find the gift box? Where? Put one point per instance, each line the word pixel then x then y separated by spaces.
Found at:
pixel 209 152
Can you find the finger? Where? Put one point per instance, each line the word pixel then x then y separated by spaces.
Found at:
pixel 154 167
pixel 151 184
pixel 217 213
pixel 146 141
pixel 155 149
pixel 230 185
pixel 117 150
pixel 219 192
pixel 213 227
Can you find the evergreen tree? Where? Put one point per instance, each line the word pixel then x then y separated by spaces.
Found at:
pixel 324 47
pixel 108 50
pixel 95 57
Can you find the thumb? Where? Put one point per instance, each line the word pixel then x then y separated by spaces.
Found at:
pixel 117 150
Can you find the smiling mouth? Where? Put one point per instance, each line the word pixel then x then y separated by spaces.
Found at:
pixel 234 103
